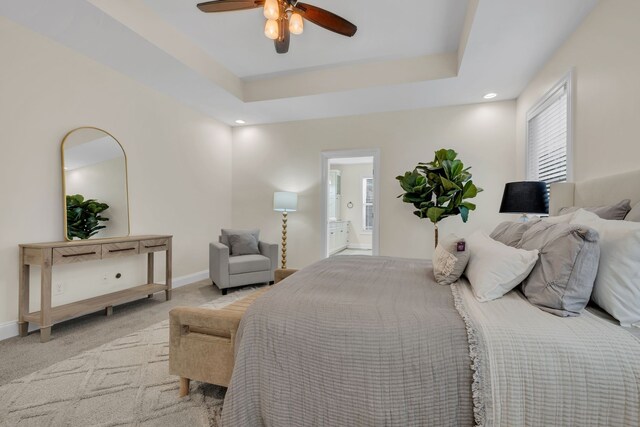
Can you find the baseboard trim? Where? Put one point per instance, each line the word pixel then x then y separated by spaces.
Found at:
pixel 10 329
pixel 359 246
pixel 181 281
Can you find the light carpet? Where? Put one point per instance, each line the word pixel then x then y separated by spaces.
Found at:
pixel 122 383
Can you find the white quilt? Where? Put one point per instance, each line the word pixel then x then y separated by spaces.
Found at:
pixel 532 368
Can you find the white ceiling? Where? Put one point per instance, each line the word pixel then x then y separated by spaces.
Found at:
pixel 386 30
pixel 222 65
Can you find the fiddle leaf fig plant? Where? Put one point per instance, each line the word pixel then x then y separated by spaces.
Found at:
pixel 439 189
pixel 83 217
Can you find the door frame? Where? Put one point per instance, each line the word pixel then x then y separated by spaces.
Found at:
pixel 325 157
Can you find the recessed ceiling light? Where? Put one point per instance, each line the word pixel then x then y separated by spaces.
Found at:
pixel 240 122
pixel 490 95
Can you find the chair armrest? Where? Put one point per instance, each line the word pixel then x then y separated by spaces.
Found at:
pixel 219 264
pixel 270 250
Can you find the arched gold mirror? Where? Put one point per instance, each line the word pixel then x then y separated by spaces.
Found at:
pixel 94 185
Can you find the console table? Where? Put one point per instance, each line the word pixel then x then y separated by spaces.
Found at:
pixel 47 255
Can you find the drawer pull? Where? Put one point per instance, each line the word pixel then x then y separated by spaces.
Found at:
pixel 154 246
pixel 122 250
pixel 74 255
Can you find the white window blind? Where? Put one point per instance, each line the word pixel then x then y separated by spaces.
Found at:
pixel 548 137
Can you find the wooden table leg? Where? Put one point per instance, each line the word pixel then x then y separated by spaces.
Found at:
pixel 108 311
pixel 150 267
pixel 45 296
pixel 184 387
pixel 150 270
pixel 23 295
pixel 168 267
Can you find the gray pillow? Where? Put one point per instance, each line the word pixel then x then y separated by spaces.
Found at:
pixel 510 232
pixel 634 214
pixel 450 259
pixel 243 244
pixel 613 212
pixel 224 235
pixel 562 280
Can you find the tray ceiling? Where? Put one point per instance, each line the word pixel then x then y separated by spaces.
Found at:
pixel 407 54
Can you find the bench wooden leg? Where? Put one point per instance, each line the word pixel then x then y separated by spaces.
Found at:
pixel 184 386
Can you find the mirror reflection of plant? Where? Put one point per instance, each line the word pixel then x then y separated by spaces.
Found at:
pixel 83 217
pixel 439 189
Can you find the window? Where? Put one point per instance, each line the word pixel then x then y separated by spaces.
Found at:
pixel 367 204
pixel 549 136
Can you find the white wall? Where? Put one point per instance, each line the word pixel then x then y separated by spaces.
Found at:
pixel 286 157
pixel 352 176
pixel 605 52
pixel 179 163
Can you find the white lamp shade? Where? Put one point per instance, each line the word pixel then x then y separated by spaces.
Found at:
pixel 284 201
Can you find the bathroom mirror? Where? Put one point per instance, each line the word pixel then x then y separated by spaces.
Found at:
pixel 94 185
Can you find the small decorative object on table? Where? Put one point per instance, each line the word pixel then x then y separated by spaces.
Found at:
pixel 439 189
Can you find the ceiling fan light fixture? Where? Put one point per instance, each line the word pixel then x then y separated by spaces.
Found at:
pixel 296 24
pixel 271 9
pixel 271 30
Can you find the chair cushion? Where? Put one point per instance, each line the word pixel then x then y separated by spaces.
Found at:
pixel 243 244
pixel 248 264
pixel 224 235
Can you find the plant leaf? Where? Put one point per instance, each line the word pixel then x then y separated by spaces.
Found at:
pixel 464 213
pixel 470 206
pixel 449 185
pixel 434 214
pixel 469 191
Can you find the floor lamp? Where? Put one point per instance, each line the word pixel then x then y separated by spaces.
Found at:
pixel 285 202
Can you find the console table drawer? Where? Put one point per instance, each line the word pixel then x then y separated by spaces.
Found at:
pixel 72 254
pixel 153 245
pixel 115 250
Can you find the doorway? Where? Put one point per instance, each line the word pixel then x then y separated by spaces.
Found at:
pixel 350 202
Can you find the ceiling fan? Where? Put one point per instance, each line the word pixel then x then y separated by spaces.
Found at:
pixel 285 17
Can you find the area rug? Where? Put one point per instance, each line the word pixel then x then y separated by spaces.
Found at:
pixel 122 383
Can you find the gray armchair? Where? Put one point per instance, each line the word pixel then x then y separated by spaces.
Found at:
pixel 228 271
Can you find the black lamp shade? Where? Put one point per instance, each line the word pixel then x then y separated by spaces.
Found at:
pixel 525 197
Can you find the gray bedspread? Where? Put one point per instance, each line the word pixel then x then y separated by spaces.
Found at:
pixel 352 341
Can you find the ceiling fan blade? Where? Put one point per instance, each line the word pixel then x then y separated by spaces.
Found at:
pixel 229 5
pixel 325 19
pixel 282 42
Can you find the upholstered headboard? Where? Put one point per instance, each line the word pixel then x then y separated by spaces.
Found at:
pixel 607 190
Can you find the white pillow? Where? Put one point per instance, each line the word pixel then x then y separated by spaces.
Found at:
pixel 617 286
pixel 565 219
pixel 495 268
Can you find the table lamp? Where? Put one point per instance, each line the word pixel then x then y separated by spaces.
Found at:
pixel 285 202
pixel 525 197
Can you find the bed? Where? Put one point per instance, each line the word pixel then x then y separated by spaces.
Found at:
pixel 374 341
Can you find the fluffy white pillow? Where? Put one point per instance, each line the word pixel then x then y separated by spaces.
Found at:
pixel 560 219
pixel 617 286
pixel 495 268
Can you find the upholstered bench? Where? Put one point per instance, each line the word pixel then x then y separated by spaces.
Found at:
pixel 201 340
